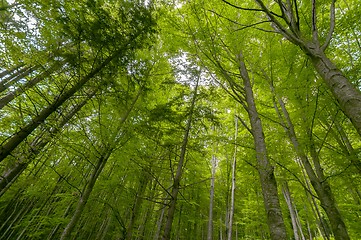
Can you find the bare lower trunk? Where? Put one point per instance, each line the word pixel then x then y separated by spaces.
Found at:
pixel 211 199
pixel 233 189
pixel 265 169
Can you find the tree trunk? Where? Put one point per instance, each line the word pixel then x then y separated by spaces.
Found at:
pixel 14 77
pixel 297 230
pixel 211 200
pixel 265 169
pixel 348 97
pixel 178 176
pixel 233 189
pixel 35 147
pixel 137 204
pixel 25 131
pixel 9 72
pixel 318 181
pixel 13 94
pixel 96 172
pixel 85 194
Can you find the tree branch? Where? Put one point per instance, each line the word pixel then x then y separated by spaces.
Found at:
pixel 314 22
pixel 332 26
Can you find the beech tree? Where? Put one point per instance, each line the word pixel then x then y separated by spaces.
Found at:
pixel 179 119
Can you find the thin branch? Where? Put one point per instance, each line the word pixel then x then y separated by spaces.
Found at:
pixel 244 124
pixel 296 177
pixel 314 22
pixel 332 26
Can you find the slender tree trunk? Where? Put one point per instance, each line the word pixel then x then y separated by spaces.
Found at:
pixel 13 80
pixel 178 176
pixel 265 169
pixel 318 181
pixel 25 131
pixel 9 72
pixel 85 194
pixel 137 204
pixel 297 230
pixel 13 94
pixel 9 176
pixel 211 200
pixel 95 174
pixel 14 77
pixel 233 189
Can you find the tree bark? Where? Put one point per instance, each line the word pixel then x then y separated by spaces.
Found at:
pixel 265 169
pixel 178 176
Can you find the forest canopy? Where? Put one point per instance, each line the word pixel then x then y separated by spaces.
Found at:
pixel 220 119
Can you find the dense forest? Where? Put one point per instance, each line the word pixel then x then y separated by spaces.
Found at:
pixel 142 119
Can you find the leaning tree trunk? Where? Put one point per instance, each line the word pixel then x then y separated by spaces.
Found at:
pixel 11 72
pixel 15 77
pixel 265 169
pixel 85 194
pixel 102 160
pixel 178 176
pixel 25 131
pixel 318 181
pixel 31 83
pixel 35 147
pixel 347 95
